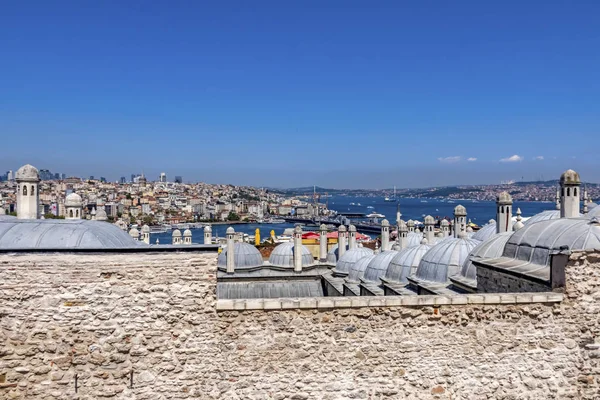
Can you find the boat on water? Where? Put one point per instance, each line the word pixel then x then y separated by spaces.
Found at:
pixel 358 204
pixel 370 207
pixel 391 199
pixel 274 221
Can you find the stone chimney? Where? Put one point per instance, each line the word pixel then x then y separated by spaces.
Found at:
pixel 298 249
pixel 230 250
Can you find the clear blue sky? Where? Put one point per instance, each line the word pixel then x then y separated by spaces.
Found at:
pixel 293 93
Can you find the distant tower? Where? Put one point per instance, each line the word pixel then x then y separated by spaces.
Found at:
pixel 176 236
pixel 135 234
pixel 142 180
pixel 163 177
pixel 298 249
pixel 351 237
pixel 146 234
pixel 73 206
pixel 429 232
pixel 187 237
pixel 28 198
pixel 445 228
pixel 569 194
pixel 585 201
pixel 207 234
pixel 504 204
pixel 230 250
pixel 323 243
pixel 411 225
pixel 341 241
pixel 460 220
pixel 385 235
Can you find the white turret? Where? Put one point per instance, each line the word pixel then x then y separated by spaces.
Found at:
pixel 429 232
pixel 73 206
pixel 569 194
pixel 176 235
pixel 445 228
pixel 207 234
pixel 519 224
pixel 298 249
pixel 411 225
pixel 504 203
pixel 385 235
pixel 323 243
pixel 341 241
pixel 351 237
pixel 28 198
pixel 402 234
pixel 230 250
pixel 146 234
pixel 460 220
pixel 187 237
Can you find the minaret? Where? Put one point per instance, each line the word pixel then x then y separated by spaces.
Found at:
pixel 323 243
pixel 207 234
pixel 411 225
pixel 176 235
pixel 28 198
pixel 298 249
pixel 230 233
pixel 146 234
pixel 558 199
pixel 429 232
pixel 341 241
pixel 460 220
pixel 351 237
pixel 504 204
pixel 585 201
pixel 402 234
pixel 398 215
pixel 187 237
pixel 385 235
pixel 569 194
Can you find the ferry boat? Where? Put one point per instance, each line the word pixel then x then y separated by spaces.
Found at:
pixel 393 199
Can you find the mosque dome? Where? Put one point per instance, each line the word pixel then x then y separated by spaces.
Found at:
pixel 379 265
pixel 543 216
pixel 61 234
pixel 357 271
pixel 176 233
pixel 350 257
pixel 486 231
pixel 245 256
pixel 332 254
pixel 445 259
pixel 493 247
pixel 405 263
pixel 460 210
pixel 73 200
pixel 413 239
pixel 283 256
pixel 534 242
pixel 570 177
pixel 188 233
pixel 27 173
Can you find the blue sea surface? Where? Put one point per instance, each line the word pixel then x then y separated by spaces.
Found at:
pixel 479 212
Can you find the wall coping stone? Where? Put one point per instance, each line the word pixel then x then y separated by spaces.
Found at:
pixel 387 301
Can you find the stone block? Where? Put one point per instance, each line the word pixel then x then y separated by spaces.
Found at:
pixel 272 304
pixel 288 304
pixel 308 302
pixel 441 300
pixel 254 304
pixel 490 298
pixel 458 300
pixel 324 302
pixel 475 299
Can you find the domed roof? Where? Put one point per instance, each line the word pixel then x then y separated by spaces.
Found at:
pixel 73 200
pixel 534 242
pixel 134 233
pixel 594 212
pixel 245 256
pixel 61 234
pixel 405 263
pixel 402 226
pixel 570 177
pixel 460 210
pixel 187 233
pixel 283 255
pixel 332 254
pixel 357 271
pixel 413 239
pixel 145 229
pixel 379 265
pixel 491 248
pixel 504 198
pixel 429 220
pixel 27 173
pixel 543 216
pixel 486 231
pixel 176 233
pixel 207 229
pixel 445 259
pixel 445 222
pixel 350 257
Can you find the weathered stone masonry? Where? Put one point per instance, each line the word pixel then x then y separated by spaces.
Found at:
pixel 103 316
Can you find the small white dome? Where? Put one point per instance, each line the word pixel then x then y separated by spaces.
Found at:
pixel 27 173
pixel 504 198
pixel 207 229
pixel 134 233
pixel 460 210
pixel 176 233
pixel 73 200
pixel 570 177
pixel 187 233
pixel 145 229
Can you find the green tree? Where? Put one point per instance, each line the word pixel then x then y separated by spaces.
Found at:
pixel 233 216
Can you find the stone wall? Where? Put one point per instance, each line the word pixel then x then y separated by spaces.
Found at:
pixel 152 317
pixel 493 281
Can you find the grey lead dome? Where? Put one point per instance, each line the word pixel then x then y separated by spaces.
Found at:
pixel 244 256
pixel 283 256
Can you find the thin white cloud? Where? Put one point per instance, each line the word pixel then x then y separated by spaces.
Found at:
pixel 539 158
pixel 472 159
pixel 452 159
pixel 515 158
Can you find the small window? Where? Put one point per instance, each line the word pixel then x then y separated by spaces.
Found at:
pixel 562 192
pixel 24 190
pixel 568 191
pixel 574 191
pixel 32 190
pixel 71 213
